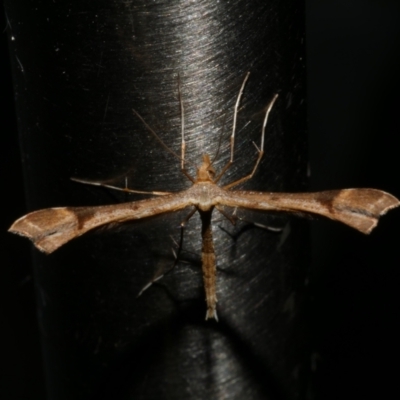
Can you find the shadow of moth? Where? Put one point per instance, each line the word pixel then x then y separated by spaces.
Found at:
pixel 360 209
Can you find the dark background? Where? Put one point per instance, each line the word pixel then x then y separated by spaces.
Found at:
pixel 354 131
pixel 353 96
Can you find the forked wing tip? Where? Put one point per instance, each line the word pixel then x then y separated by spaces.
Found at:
pixel 17 230
pixel 30 237
pixel 394 203
pixel 371 227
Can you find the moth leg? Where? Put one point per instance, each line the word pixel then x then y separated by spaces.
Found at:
pixel 159 275
pixel 124 189
pixel 183 142
pixel 231 218
pixel 232 139
pixel 256 224
pixel 161 142
pixel 249 224
pixel 259 149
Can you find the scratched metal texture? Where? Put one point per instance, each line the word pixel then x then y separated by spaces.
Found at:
pixel 79 69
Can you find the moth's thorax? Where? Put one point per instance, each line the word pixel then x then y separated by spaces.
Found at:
pixel 206 172
pixel 205 195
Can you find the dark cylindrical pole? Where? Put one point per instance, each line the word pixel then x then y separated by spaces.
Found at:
pixel 79 70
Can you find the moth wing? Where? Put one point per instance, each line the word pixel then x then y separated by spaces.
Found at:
pixel 51 228
pixel 357 208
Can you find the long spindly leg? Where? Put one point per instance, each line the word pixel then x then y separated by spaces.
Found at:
pixel 183 142
pixel 232 140
pixel 164 272
pixel 161 142
pixel 256 224
pixel 259 149
pixel 231 218
pixel 124 189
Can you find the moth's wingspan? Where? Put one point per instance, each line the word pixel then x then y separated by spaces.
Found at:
pixel 358 208
pixel 50 228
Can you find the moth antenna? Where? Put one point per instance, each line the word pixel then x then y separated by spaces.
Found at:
pixel 155 134
pixel 259 149
pixel 270 105
pixel 157 137
pixel 235 114
pixel 219 141
pixel 232 139
pixel 183 142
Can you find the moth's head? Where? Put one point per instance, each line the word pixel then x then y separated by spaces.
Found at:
pixel 206 172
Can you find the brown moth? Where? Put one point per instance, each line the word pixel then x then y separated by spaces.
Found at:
pixel 360 209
